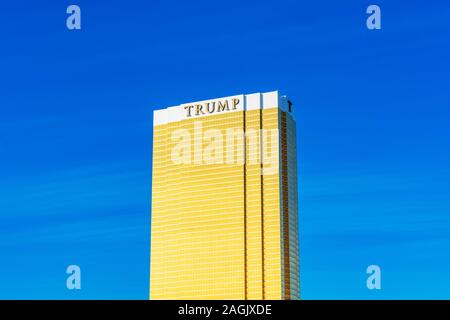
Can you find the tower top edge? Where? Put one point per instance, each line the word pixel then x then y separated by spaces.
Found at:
pixel 203 108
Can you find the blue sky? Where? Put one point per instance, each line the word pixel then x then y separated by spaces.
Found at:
pixel 372 110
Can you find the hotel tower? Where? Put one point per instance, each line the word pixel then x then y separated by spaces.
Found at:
pixel 224 200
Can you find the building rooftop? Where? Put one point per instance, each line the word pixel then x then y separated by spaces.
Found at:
pixel 242 102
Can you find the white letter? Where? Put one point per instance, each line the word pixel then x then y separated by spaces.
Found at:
pixel 253 146
pixel 74 20
pixel 74 280
pixel 270 152
pixel 198 142
pixel 374 280
pixel 234 142
pixel 374 21
pixel 213 153
pixel 181 152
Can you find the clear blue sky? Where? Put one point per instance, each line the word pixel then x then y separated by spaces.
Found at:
pixel 372 110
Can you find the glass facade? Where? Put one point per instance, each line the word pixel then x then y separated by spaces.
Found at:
pixel 224 200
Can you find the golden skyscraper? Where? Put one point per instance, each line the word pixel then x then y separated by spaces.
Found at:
pixel 224 200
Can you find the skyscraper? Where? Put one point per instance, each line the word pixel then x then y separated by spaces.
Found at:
pixel 224 200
